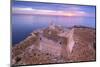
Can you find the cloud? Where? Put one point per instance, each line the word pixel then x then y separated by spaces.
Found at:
pixel 74 8
pixel 70 12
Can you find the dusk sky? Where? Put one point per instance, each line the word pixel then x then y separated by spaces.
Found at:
pixel 19 7
pixel 28 16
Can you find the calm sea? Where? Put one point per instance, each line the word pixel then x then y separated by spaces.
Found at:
pixel 23 25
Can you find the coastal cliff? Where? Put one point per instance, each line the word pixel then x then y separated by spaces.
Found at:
pixel 56 44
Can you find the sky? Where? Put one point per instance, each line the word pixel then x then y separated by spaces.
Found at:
pixel 19 7
pixel 35 15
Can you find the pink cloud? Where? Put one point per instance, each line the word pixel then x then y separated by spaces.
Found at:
pixel 74 12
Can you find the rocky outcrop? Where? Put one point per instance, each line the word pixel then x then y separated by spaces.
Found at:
pixel 83 49
pixel 53 45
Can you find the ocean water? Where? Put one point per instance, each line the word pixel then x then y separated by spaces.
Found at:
pixel 23 25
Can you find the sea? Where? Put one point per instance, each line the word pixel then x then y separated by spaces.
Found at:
pixel 22 25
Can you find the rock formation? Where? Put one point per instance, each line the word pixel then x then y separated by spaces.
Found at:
pixel 55 45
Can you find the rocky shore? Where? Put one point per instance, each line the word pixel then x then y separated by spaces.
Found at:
pixel 56 45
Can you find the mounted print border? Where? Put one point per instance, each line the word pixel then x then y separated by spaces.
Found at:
pixel 52 33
